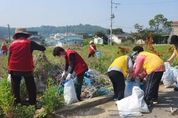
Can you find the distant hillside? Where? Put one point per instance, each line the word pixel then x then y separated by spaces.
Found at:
pixel 45 31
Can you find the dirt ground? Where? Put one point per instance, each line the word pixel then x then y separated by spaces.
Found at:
pixel 109 110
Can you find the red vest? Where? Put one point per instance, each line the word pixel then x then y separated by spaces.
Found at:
pixel 91 51
pixel 4 48
pixel 21 58
pixel 80 66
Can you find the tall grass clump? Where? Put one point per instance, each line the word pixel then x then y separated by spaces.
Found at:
pixel 6 98
pixel 50 100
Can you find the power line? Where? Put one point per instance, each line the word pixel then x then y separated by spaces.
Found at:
pixel 151 3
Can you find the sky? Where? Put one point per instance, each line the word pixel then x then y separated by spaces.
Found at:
pixel 35 13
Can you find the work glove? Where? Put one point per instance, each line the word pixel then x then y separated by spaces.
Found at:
pixel 168 61
pixel 132 79
pixel 68 76
pixel 63 74
pixel 141 80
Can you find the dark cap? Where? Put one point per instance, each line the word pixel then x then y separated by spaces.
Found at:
pixel 137 49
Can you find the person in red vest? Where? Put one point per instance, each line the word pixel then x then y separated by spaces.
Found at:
pixel 92 49
pixel 4 48
pixel 77 64
pixel 20 63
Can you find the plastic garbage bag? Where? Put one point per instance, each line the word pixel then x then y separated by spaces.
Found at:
pixel 69 92
pixel 98 54
pixel 167 77
pixel 127 107
pixel 142 86
pixel 1 52
pixel 130 114
pixel 128 87
pixel 87 81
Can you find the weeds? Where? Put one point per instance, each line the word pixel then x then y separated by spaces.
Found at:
pixel 50 100
pixel 6 98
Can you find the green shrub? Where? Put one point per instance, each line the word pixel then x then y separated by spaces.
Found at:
pixel 24 111
pixel 50 100
pixel 6 98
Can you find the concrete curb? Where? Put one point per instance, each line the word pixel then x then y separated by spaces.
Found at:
pixel 86 103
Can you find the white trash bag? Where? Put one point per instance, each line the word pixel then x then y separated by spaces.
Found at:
pixel 128 87
pixel 69 92
pixel 133 105
pixel 167 77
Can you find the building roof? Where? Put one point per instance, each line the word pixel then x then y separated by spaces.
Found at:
pixel 70 38
pixel 3 39
pixel 175 23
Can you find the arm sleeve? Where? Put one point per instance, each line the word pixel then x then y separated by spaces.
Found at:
pixel 143 75
pixel 35 46
pixel 92 47
pixel 173 55
pixel 73 62
pixel 138 66
pixel 66 66
pixel 130 65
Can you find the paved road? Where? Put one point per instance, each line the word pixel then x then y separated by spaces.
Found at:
pixel 109 109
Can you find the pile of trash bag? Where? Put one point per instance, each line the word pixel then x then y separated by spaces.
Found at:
pixel 170 76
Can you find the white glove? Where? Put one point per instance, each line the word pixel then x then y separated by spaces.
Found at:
pixel 63 74
pixel 68 76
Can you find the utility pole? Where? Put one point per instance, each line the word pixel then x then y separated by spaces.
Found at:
pixel 8 31
pixel 112 16
pixel 67 37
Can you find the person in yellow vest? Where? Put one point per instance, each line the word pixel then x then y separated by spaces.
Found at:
pixel 174 41
pixel 153 68
pixel 117 72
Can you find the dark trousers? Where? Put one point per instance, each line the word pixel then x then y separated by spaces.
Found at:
pixel 31 88
pixel 78 84
pixel 118 81
pixel 89 55
pixel 152 85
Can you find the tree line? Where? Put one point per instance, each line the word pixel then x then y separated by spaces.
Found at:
pixel 46 31
pixel 159 26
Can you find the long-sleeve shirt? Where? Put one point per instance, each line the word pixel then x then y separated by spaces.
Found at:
pixel 72 59
pixel 149 63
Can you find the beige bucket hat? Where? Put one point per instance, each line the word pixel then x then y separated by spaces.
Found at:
pixel 20 31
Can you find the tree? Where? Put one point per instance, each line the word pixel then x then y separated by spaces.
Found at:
pixel 141 33
pixel 160 23
pixel 116 31
pixel 138 27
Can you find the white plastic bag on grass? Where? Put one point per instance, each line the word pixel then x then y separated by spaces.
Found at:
pixel 133 103
pixel 69 92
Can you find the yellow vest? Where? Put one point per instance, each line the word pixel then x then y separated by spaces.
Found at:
pixel 121 63
pixel 151 62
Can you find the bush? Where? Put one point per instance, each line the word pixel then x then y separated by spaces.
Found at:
pixel 6 98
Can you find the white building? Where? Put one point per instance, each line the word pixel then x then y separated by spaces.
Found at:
pixel 98 40
pixel 121 38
